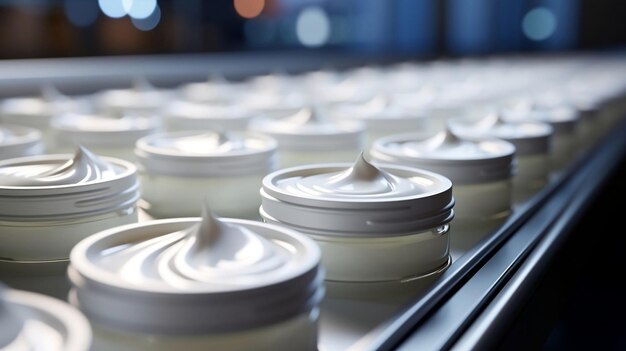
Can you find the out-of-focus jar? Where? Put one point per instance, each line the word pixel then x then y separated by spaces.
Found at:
pixel 215 90
pixel 19 141
pixel 48 203
pixel 36 322
pixel 480 169
pixel 141 99
pixel 182 115
pixel 179 170
pixel 36 111
pixel 532 148
pixel 373 224
pixel 563 119
pixel 103 135
pixel 308 137
pixel 383 117
pixel 199 284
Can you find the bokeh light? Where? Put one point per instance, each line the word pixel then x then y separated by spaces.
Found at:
pixel 249 8
pixel 313 27
pixel 112 8
pixel 539 24
pixel 148 23
pixel 139 9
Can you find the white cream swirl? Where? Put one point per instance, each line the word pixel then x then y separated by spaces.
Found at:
pixel 361 180
pixel 308 120
pixel 493 125
pixel 83 167
pixel 207 143
pixel 210 255
pixel 448 146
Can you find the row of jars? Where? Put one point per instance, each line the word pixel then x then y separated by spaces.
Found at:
pixel 233 283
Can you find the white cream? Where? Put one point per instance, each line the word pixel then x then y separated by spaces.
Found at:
pixel 179 170
pixel 50 203
pixel 104 135
pixel 481 170
pixel 307 136
pixel 184 115
pixel 35 322
pixel 19 141
pixel 142 99
pixel 205 275
pixel 36 111
pixel 532 141
pixel 383 117
pixel 373 223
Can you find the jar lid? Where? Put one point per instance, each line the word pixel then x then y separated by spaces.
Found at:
pixel 309 129
pixel 563 118
pixel 206 153
pixel 195 275
pixel 216 89
pixel 382 113
pixel 529 138
pixel 17 141
pixel 463 160
pixel 102 131
pixel 358 199
pixel 37 322
pixel 223 117
pixel 35 111
pixel 142 97
pixel 55 187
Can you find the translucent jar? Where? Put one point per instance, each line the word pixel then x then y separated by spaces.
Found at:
pixel 199 284
pixel 480 169
pixel 373 224
pixel 307 137
pixel 182 115
pixel 179 170
pixel 532 142
pixel 383 117
pixel 141 99
pixel 49 203
pixel 563 119
pixel 36 322
pixel 103 135
pixel 18 141
pixel 36 111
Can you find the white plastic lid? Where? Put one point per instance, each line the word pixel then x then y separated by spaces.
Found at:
pixel 18 141
pixel 195 275
pixel 357 199
pixel 460 159
pixel 382 113
pixel 102 131
pixel 309 130
pixel 189 115
pixel 216 89
pixel 36 111
pixel 37 322
pixel 563 118
pixel 529 138
pixel 196 154
pixel 141 98
pixel 57 187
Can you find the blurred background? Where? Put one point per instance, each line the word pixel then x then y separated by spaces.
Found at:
pixel 418 28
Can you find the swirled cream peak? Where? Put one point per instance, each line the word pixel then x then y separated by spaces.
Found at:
pixel 359 180
pixel 494 125
pixel 84 167
pixel 306 120
pixel 444 145
pixel 203 143
pixel 209 255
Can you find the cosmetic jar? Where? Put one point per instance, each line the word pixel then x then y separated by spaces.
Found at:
pixel 183 115
pixel 141 99
pixel 480 169
pixel 179 170
pixel 49 203
pixel 373 224
pixel 103 135
pixel 199 284
pixel 308 137
pixel 19 141
pixel 36 322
